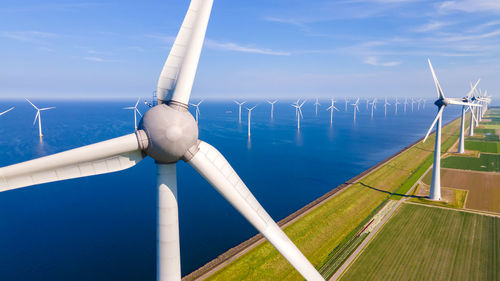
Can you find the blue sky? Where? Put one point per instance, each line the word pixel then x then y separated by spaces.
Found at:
pixel 258 48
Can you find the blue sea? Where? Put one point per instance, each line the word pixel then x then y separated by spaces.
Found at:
pixel 103 227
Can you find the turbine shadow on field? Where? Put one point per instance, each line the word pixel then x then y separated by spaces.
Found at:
pixel 391 193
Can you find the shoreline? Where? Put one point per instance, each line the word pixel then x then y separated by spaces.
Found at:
pixel 233 253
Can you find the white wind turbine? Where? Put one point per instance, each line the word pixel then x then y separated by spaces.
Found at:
pixel 167 133
pixel 239 104
pixel 298 108
pixel 385 107
pixel 412 102
pixel 272 108
pixel 249 118
pixel 355 108
pixel 2 113
pixel 466 99
pixel 396 106
pixel 441 103
pixel 197 110
pixel 405 103
pixel 346 101
pixel 136 111
pixel 316 103
pixel 367 102
pixel 374 106
pixel 331 108
pixel 39 116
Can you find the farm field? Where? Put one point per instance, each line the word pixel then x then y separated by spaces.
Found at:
pixel 428 243
pixel 483 188
pixel 485 162
pixel 483 146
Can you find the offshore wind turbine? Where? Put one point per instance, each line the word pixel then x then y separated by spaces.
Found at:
pixel 39 116
pixel 249 118
pixel 316 103
pixel 467 99
pixel 374 106
pixel 239 104
pixel 298 108
pixel 272 108
pixel 168 133
pixel 396 106
pixel 197 110
pixel 367 102
pixel 385 107
pixel 412 102
pixel 136 111
pixel 405 103
pixel 331 108
pixel 355 107
pixel 346 101
pixel 441 103
pixel 2 113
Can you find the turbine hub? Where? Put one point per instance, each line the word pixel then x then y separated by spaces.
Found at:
pixel 171 132
pixel 441 102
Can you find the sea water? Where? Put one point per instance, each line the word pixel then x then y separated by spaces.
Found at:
pixel 103 227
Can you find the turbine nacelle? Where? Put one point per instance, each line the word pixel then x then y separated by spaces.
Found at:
pixel 170 132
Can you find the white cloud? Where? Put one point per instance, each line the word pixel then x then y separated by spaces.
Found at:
pixel 471 6
pixel 230 46
pixel 374 61
pixel 27 36
pixel 95 59
pixel 431 26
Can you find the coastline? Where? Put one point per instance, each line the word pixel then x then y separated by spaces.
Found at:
pixel 233 253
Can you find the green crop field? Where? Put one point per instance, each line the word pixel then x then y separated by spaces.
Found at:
pixel 427 243
pixel 483 146
pixel 318 232
pixel 486 162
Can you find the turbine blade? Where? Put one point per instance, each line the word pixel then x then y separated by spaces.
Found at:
pixel 36 117
pixel 177 76
pixel 100 158
pixel 438 87
pixel 460 102
pixel 219 173
pixel 47 108
pixel 138 112
pixel 129 107
pixel 6 111
pixel 31 103
pixel 137 103
pixel 473 88
pixel 336 108
pixel 440 112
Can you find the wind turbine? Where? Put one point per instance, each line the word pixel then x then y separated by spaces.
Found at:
pixel 238 103
pixel 385 107
pixel 272 108
pixel 298 108
pixel 197 109
pixel 466 99
pixel 374 106
pixel 441 103
pixel 355 105
pixel 367 102
pixel 6 111
pixel 249 118
pixel 346 101
pixel 412 102
pixel 331 108
pixel 167 133
pixel 316 103
pixel 136 111
pixel 405 103
pixel 396 106
pixel 39 116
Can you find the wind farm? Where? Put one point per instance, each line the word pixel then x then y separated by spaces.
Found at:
pixel 354 194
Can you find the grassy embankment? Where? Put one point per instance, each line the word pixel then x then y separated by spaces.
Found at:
pixel 319 232
pixel 427 243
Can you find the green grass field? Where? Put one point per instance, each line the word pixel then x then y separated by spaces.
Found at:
pixel 486 162
pixel 483 146
pixel 319 232
pixel 426 243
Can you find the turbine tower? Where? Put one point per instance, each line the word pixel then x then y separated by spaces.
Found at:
pixel 272 108
pixel 331 108
pixel 298 108
pixel 39 116
pixel 405 103
pixel 249 118
pixel 374 106
pixel 316 103
pixel 466 99
pixel 168 133
pixel 197 110
pixel 356 109
pixel 346 101
pixel 2 113
pixel 238 103
pixel 385 107
pixel 412 102
pixel 441 103
pixel 136 111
